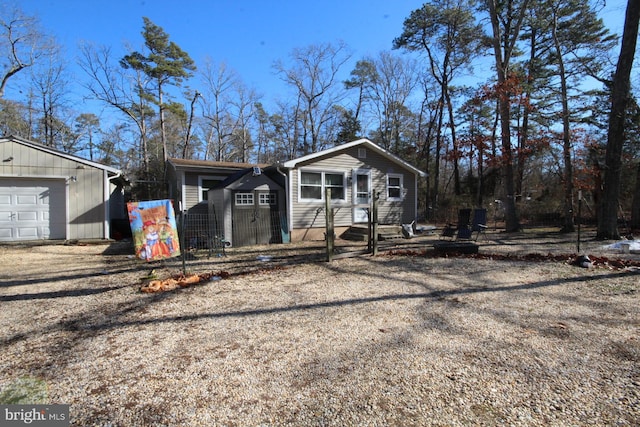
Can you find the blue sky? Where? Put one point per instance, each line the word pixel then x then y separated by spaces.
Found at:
pixel 247 35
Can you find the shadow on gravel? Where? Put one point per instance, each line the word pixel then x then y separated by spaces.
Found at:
pixel 434 295
pixel 57 278
pixel 59 294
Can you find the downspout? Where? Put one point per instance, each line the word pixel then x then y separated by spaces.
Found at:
pixel 287 200
pixel 183 193
pixel 107 204
pixel 415 196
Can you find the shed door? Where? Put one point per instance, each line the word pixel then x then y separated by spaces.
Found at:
pixel 32 209
pixel 256 218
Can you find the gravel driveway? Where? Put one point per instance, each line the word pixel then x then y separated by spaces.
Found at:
pixel 382 341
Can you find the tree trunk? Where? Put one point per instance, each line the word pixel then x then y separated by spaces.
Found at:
pixel 456 170
pixel 163 135
pixel 480 175
pixel 635 205
pixel 608 210
pixel 568 226
pixel 436 171
pixel 511 218
pixel 504 105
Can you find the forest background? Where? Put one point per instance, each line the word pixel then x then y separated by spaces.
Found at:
pixel 528 137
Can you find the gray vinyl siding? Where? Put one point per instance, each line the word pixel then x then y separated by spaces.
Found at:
pixel 173 183
pixel 305 214
pixel 191 190
pixel 86 211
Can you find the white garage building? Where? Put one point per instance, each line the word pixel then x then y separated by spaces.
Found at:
pixel 48 194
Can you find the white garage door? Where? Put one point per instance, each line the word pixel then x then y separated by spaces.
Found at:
pixel 32 209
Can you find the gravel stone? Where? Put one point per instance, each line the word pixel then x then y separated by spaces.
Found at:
pixel 399 339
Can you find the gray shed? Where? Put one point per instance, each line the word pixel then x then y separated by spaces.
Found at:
pixel 48 194
pixel 249 208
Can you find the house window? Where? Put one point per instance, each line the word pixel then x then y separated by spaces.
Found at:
pixel 244 199
pixel 206 183
pixel 335 182
pixel 267 199
pixel 362 153
pixel 394 187
pixel 314 184
pixel 311 185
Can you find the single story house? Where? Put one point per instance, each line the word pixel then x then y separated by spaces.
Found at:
pixel 354 172
pixel 250 203
pixel 48 194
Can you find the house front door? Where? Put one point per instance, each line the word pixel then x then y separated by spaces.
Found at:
pixel 361 190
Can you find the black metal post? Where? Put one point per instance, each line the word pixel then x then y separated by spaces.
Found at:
pixel 183 249
pixel 374 215
pixel 329 224
pixel 579 217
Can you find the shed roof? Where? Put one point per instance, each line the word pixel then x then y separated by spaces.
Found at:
pixel 190 163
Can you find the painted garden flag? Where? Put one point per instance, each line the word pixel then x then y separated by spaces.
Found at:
pixel 153 224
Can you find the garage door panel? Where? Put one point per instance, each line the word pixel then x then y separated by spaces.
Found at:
pixel 32 209
pixel 26 199
pixel 27 233
pixel 27 216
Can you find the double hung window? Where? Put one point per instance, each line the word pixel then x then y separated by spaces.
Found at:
pixel 394 187
pixel 313 185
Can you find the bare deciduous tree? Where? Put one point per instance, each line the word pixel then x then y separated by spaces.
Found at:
pixel 314 74
pixel 22 43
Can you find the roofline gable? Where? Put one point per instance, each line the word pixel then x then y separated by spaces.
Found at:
pixel 38 146
pixel 363 141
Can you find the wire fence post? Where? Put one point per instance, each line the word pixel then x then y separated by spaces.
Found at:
pixel 183 248
pixel 369 235
pixel 579 218
pixel 329 224
pixel 374 220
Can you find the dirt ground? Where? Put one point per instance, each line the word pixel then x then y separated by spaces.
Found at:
pixel 515 335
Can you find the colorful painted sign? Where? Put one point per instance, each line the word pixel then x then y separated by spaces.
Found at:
pixel 153 225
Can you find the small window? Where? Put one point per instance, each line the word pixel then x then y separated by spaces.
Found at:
pixel 244 199
pixel 267 199
pixel 394 187
pixel 362 153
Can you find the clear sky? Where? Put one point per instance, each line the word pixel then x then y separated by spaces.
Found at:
pixel 248 35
